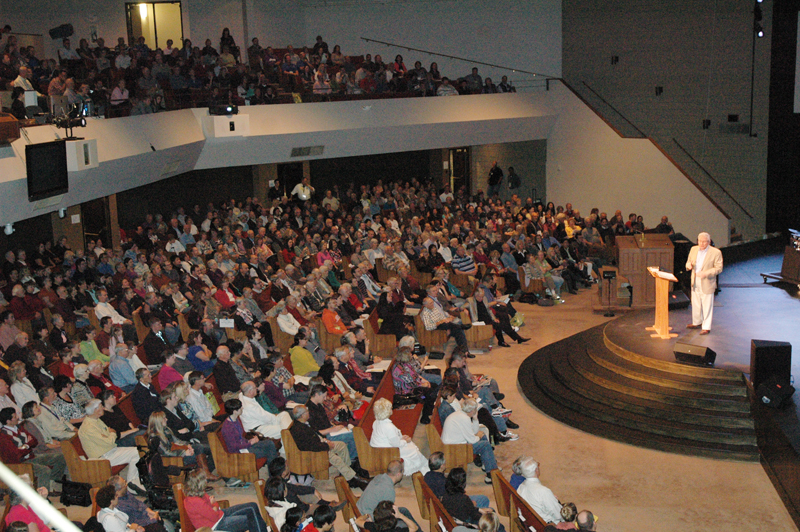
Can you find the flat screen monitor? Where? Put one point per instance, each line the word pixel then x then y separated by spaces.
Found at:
pixel 47 169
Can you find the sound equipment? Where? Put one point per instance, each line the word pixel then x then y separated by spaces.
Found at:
pixel 775 392
pixel 696 355
pixel 61 32
pixel 769 358
pixel 223 110
pixel 677 300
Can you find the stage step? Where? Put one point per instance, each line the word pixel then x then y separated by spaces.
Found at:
pixel 581 383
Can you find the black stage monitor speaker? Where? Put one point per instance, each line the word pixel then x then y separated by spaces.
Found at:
pixel 61 32
pixel 694 354
pixel 769 358
pixel 774 391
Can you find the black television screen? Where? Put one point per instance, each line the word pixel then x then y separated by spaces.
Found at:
pixel 47 169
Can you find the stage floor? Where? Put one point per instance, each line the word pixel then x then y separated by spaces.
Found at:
pixel 745 309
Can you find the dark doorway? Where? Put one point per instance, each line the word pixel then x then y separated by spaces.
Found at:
pixel 96 221
pixel 459 169
pixel 289 175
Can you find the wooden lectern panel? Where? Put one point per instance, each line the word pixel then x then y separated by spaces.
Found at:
pixel 635 254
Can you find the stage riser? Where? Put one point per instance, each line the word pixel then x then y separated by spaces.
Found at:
pixel 652 409
pixel 675 397
pixel 538 369
pixel 673 367
pixel 707 388
pixel 642 401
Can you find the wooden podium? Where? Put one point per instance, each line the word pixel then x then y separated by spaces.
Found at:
pixel 634 255
pixel 661 325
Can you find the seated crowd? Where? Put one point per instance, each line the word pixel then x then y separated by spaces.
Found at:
pixel 136 79
pixel 295 273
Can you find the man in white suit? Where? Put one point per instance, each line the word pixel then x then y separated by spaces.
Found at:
pixel 705 263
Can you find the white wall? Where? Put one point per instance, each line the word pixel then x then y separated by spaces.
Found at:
pixel 589 165
pixel 523 34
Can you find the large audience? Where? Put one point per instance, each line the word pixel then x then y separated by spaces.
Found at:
pixel 315 266
pixel 133 78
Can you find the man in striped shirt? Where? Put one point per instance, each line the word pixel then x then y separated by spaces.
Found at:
pixel 435 318
pixel 463 263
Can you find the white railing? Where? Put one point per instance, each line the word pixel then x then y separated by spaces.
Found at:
pixel 52 517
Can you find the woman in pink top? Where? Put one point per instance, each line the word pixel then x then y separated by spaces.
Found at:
pixel 20 511
pixel 203 510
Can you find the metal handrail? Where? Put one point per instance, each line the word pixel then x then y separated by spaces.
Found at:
pixel 703 168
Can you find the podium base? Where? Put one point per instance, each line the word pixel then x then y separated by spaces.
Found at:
pixel 663 335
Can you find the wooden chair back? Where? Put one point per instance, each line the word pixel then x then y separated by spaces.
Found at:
pixel 373 459
pixel 141 443
pixel 423 278
pixel 142 330
pixel 382 345
pixel 184 326
pixel 534 286
pixel 456 454
pixel 260 484
pixel 383 273
pixel 304 462
pixel 345 494
pixel 477 335
pixel 212 380
pixel 126 405
pixel 186 523
pixel 462 282
pixel 282 340
pixel 347 270
pixel 502 493
pixel 48 318
pixel 328 341
pixel 236 336
pixel 437 514
pixel 522 517
pixel 93 495
pixel 6 510
pixel 422 503
pixel 25 468
pixel 237 465
pixel 431 340
pixel 91 315
pixel 95 472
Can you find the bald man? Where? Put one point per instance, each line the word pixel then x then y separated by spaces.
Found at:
pixel 705 263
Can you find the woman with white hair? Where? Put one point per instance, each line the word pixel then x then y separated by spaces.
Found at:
pixel 81 393
pixel 385 434
pixel 21 388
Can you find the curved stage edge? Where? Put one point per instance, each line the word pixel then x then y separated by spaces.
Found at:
pixel 616 382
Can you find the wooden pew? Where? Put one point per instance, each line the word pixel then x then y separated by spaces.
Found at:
pixel 382 345
pixel 455 455
pixel 345 494
pixel 521 516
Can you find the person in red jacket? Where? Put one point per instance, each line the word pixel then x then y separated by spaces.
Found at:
pixel 17 446
pixel 204 511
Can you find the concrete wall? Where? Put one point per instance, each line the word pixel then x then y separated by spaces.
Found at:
pixel 700 53
pixel 590 165
pixel 528 159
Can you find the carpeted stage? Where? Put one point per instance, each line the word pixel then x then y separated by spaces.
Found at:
pixel 617 382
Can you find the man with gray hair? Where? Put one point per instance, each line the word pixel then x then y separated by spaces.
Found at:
pixel 586 520
pixel 538 496
pixel 462 427
pixel 100 442
pixel 705 263
pixel 307 439
pixel 254 417
pixel 120 369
